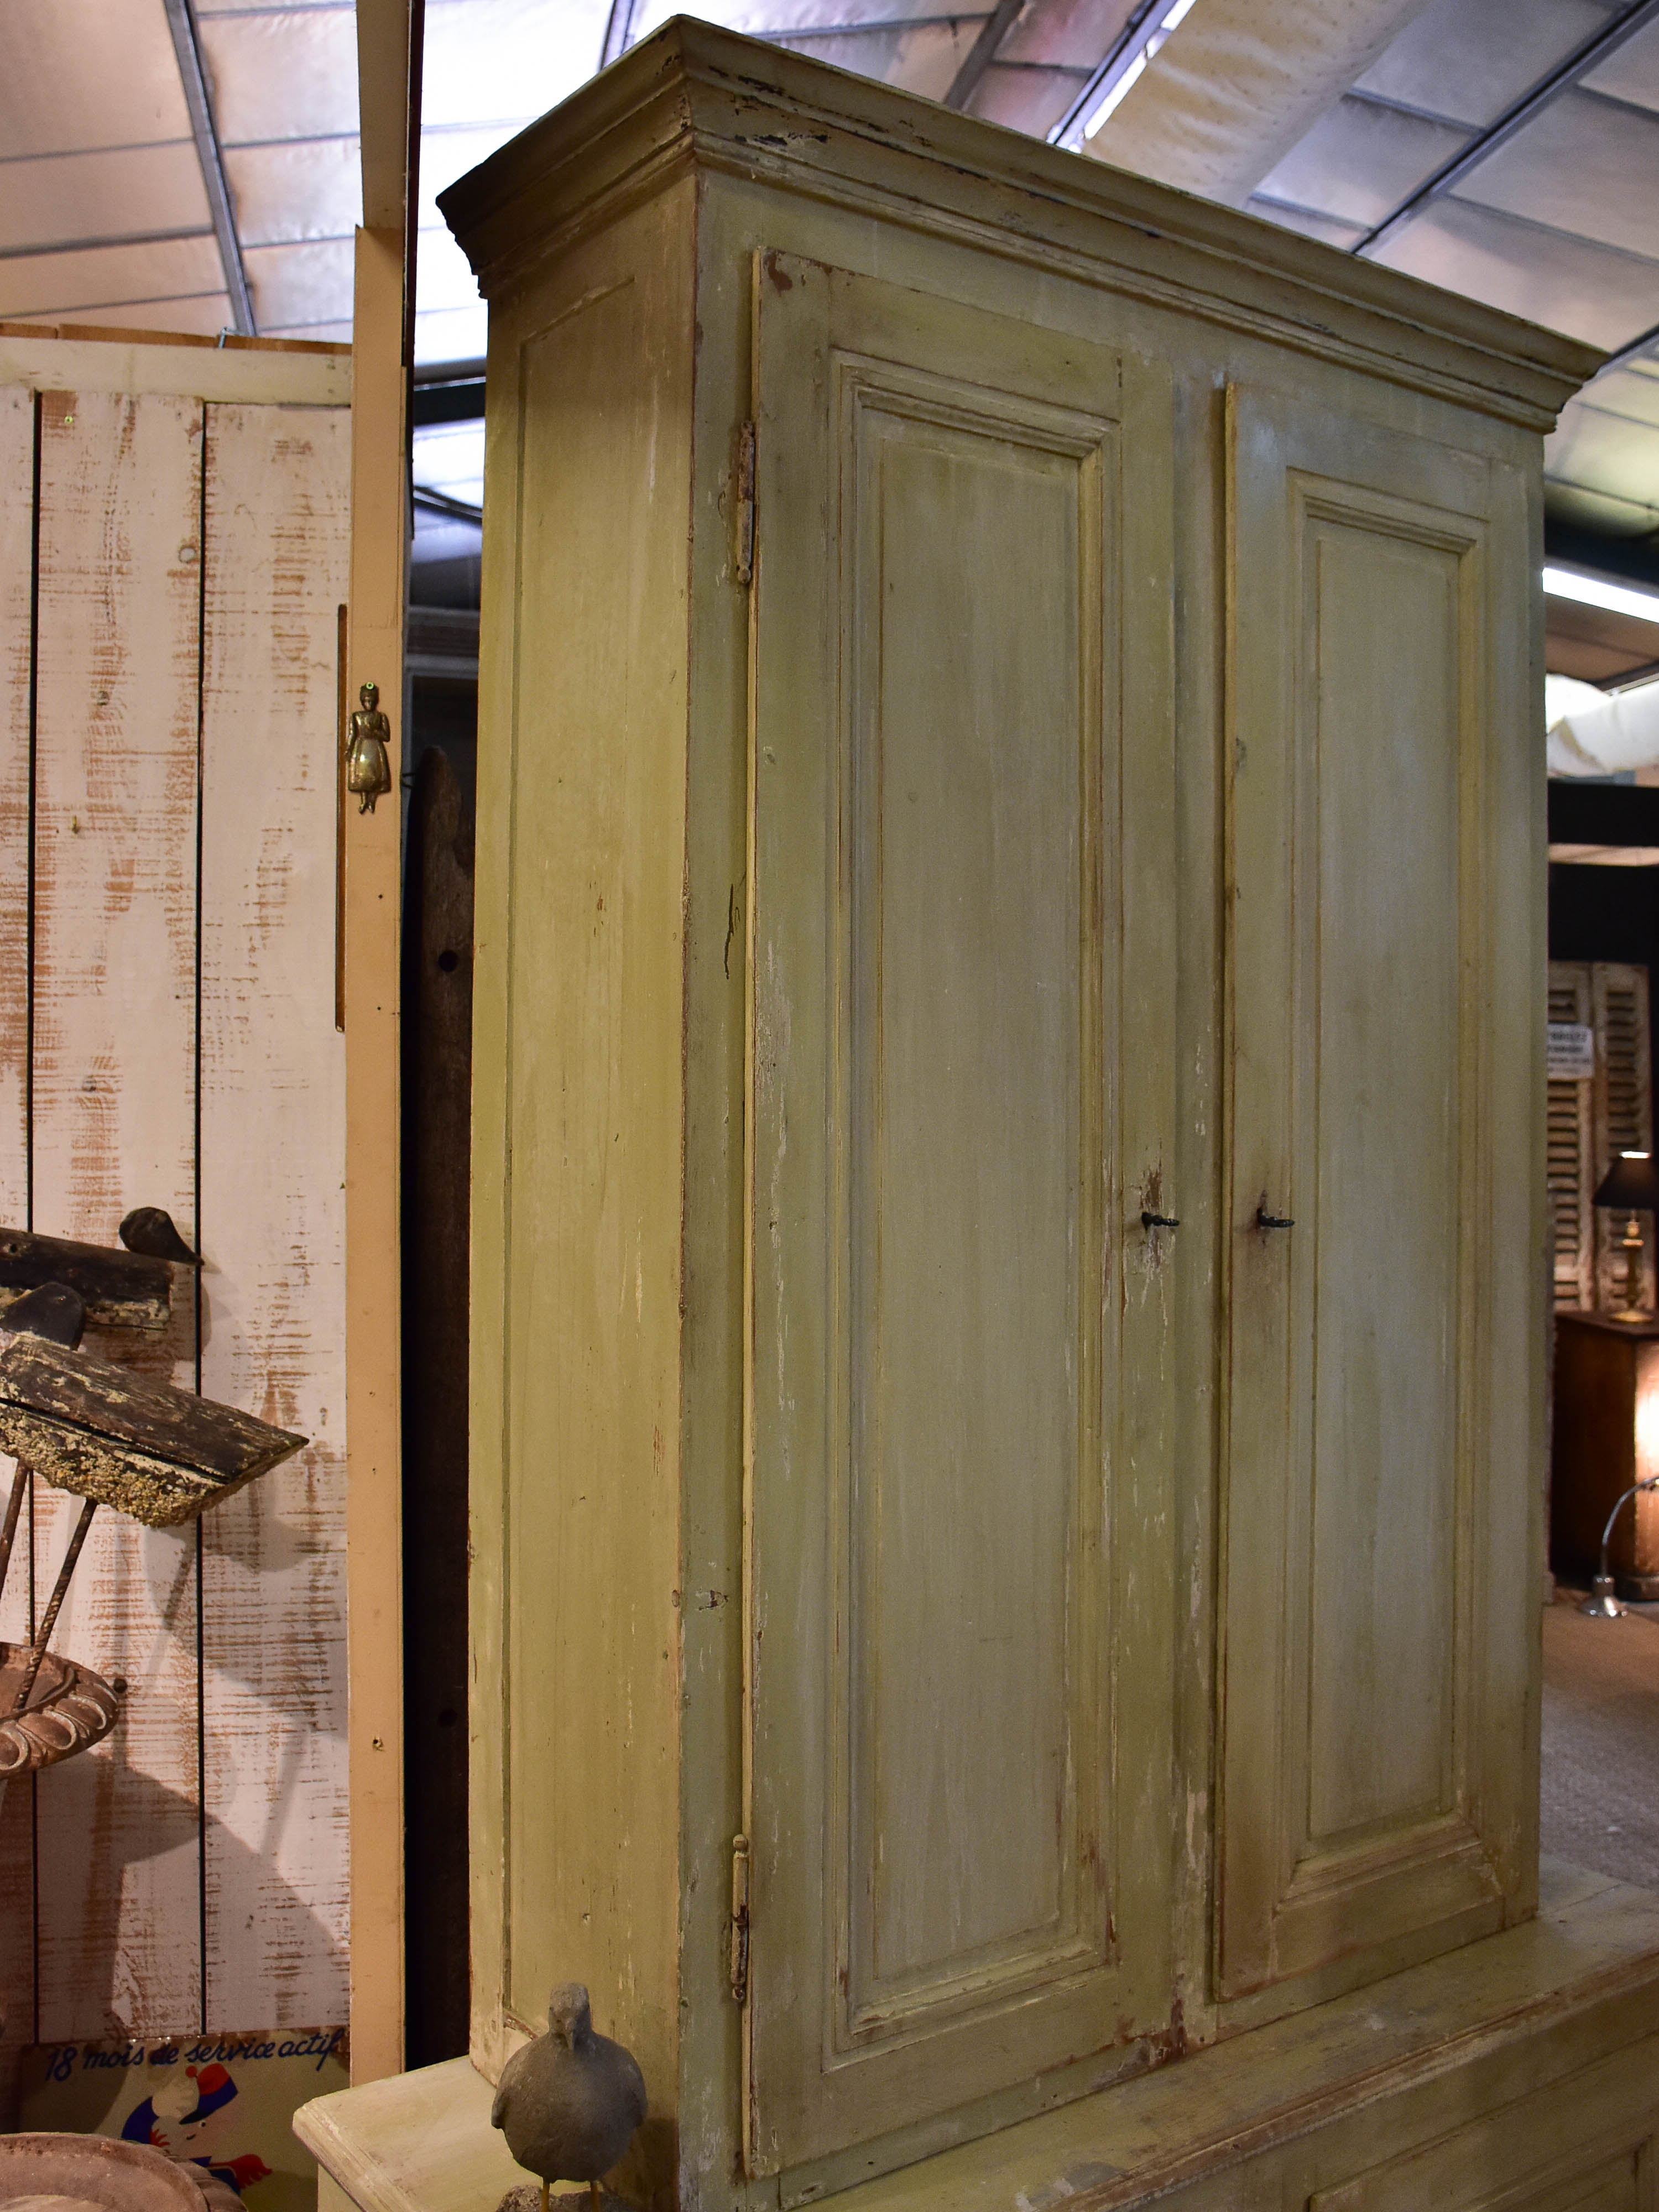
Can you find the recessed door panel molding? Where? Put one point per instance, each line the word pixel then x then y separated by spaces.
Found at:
pixel 963 1833
pixel 958 1459
pixel 1356 1732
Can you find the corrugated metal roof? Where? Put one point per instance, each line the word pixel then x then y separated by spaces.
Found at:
pixel 106 207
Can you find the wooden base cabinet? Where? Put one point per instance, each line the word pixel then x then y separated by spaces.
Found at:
pixel 1514 2074
pixel 1007 1320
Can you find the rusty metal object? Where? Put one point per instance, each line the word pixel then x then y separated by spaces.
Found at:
pixel 69 1709
pixel 119 1290
pixel 54 1607
pixel 158 1453
pixel 98 2172
pixel 19 1483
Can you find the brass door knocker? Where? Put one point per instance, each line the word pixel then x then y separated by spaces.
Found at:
pixel 369 768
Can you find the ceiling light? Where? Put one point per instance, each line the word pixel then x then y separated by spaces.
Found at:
pixel 1596 591
pixel 1120 68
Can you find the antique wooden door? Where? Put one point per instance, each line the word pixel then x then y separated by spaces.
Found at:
pixel 172 556
pixel 962 965
pixel 1384 1243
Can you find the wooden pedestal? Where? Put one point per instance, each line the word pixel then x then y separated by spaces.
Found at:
pixel 1607 1437
pixel 1518 2075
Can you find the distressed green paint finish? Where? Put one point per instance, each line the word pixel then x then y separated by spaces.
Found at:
pixel 958 858
pixel 1372 1773
pixel 1513 2076
pixel 578 1180
pixel 853 1471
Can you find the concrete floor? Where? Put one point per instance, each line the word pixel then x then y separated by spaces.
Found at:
pixel 1600 1780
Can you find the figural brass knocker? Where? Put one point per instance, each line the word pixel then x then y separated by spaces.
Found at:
pixel 369 769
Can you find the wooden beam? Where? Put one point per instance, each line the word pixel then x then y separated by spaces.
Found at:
pixel 384 35
pixel 983 52
pixel 388 51
pixel 374 1516
pixel 199 100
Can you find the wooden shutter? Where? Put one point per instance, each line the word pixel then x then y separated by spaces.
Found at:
pixel 1621 1112
pixel 1570 1149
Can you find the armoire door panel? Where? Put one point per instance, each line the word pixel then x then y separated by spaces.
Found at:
pixel 1377 1175
pixel 955 1816
pixel 962 1023
pixel 1359 694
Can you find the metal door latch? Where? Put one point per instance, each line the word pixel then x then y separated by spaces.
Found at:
pixel 740 1960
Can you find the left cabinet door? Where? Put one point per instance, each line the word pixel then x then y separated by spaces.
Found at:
pixel 959 1581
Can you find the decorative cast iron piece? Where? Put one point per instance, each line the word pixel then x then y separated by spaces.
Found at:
pixel 68 1708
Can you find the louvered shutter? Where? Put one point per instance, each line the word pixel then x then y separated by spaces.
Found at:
pixel 1621 1111
pixel 1570 1148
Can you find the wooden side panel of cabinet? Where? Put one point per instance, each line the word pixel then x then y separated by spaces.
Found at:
pixel 1368 1636
pixel 959 1579
pixel 1584 2143
pixel 578 1114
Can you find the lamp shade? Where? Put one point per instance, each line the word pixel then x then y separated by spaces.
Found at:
pixel 1629 1185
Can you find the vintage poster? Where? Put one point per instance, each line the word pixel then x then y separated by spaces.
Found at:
pixel 224 2102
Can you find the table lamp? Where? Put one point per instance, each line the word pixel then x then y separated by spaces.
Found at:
pixel 1630 1186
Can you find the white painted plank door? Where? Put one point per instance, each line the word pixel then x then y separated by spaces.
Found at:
pixel 16 570
pixel 114 1075
pixel 275 548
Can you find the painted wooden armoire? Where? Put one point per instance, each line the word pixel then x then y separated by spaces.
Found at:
pixel 1010 1241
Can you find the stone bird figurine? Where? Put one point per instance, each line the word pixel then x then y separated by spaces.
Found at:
pixel 568 2103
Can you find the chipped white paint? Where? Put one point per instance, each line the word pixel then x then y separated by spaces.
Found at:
pixel 112 1126
pixel 272 1213
pixel 237 374
pixel 16 535
pixel 152 639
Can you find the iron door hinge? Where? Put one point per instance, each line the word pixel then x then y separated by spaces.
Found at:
pixel 746 503
pixel 739 1962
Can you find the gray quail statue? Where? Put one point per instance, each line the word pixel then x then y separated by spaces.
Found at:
pixel 568 2103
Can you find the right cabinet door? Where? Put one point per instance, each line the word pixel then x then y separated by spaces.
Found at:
pixel 1384 1262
